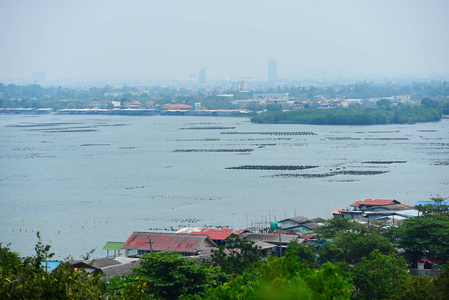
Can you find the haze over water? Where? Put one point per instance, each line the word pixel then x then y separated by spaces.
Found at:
pixel 86 180
pixel 141 39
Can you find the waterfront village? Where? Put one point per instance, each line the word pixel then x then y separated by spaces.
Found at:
pixel 270 238
pixel 241 106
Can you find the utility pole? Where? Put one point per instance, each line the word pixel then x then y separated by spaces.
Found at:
pixel 280 245
pixel 151 244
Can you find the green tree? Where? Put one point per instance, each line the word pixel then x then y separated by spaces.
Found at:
pixel 334 225
pixel 377 275
pixel 437 208
pixel 163 275
pixel 383 104
pixel 128 287
pixel 238 255
pixel 356 245
pixel 416 288
pixel 27 279
pixel 255 107
pixel 350 116
pixel 442 284
pixel 424 236
pixel 427 234
pixel 430 103
pixel 445 108
pixel 331 252
pixel 303 253
pixel 8 260
pixel 283 278
pixel 274 107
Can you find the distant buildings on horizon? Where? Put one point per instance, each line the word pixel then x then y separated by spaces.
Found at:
pixel 272 71
pixel 202 76
pixel 236 83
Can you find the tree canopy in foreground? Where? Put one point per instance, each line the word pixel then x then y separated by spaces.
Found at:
pixel 26 279
pixel 428 234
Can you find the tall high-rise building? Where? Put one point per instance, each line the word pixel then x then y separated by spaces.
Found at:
pixel 202 75
pixel 238 85
pixel 272 70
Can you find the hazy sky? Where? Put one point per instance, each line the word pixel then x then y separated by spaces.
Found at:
pixel 230 38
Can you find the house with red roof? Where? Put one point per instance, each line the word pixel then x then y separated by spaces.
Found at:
pixel 427 262
pixel 217 235
pixel 132 104
pixel 140 243
pixel 370 203
pixel 177 107
pixel 377 210
pixel 426 267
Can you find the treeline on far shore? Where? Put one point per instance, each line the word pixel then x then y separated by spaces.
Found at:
pixel 399 114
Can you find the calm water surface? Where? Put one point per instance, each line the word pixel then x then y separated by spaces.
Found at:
pixel 85 180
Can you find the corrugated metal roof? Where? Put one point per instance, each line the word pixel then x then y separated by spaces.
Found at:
pixel 173 242
pixel 306 236
pixel 94 264
pixel 306 225
pixel 375 202
pixel 263 245
pixel 407 213
pixel 213 233
pixel 102 262
pixel 271 237
pixel 119 270
pixel 113 246
pixel 317 220
pixel 296 219
pixel 397 207
pixel 109 266
pixel 310 225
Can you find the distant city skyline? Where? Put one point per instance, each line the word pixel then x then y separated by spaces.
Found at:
pixel 148 39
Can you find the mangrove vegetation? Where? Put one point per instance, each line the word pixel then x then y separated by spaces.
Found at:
pixel 351 116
